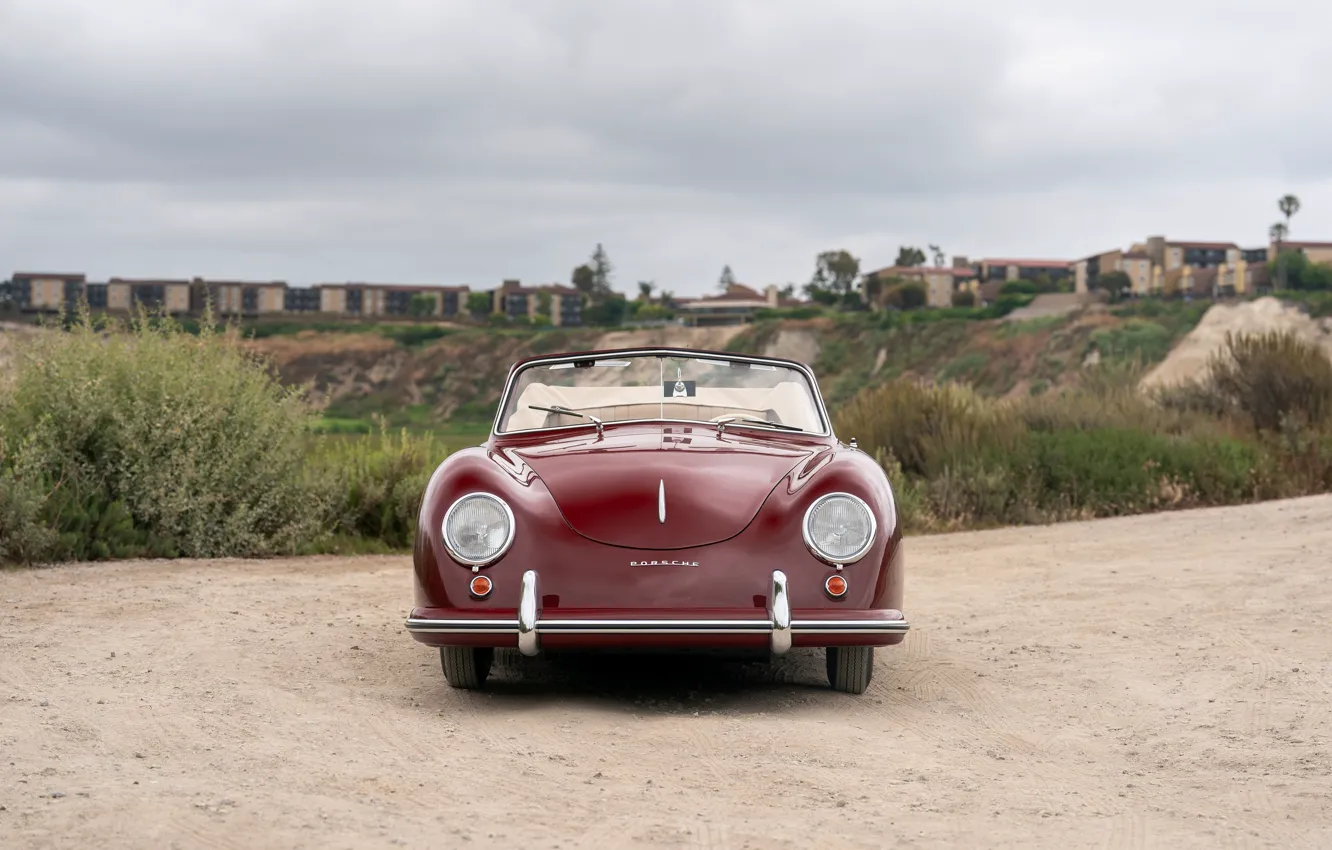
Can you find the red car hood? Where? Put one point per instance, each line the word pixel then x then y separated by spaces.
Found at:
pixel 610 490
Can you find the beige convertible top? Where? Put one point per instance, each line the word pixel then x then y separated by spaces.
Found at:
pixel 788 402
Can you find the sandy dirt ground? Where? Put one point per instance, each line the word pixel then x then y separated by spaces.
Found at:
pixel 1158 681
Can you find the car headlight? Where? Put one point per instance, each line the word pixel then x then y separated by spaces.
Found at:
pixel 478 528
pixel 839 528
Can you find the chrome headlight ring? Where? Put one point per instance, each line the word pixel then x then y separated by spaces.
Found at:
pixel 450 545
pixel 854 556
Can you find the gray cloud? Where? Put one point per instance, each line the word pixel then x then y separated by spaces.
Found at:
pixel 469 141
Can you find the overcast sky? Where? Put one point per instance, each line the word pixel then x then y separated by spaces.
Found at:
pixel 465 141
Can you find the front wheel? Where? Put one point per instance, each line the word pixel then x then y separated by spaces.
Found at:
pixel 850 668
pixel 466 667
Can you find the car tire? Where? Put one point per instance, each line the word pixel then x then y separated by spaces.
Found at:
pixel 850 668
pixel 466 667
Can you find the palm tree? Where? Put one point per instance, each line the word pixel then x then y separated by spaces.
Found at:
pixel 1289 205
pixel 938 255
pixel 1278 233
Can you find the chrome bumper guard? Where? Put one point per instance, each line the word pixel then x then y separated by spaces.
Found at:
pixel 529 627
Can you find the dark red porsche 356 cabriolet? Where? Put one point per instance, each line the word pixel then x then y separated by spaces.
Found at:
pixel 659 498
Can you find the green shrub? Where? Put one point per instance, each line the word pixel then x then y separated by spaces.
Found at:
pixel 959 460
pixel 1005 304
pixel 1146 341
pixel 964 366
pixel 764 313
pixel 926 428
pixel 1270 377
pixel 372 484
pixel 1018 287
pixel 148 440
pixel 415 335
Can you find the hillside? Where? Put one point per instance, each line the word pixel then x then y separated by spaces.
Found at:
pixel 451 377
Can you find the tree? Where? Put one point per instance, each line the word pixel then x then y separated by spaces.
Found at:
pixel 1303 273
pixel 964 298
pixel 602 272
pixel 422 304
pixel 1115 284
pixel 543 303
pixel 872 286
pixel 645 288
pixel 479 304
pixel 788 292
pixel 584 279
pixel 666 298
pixel 1278 233
pixel 1289 205
pixel 908 257
pixel 608 311
pixel 727 279
pixel 910 296
pixel 836 272
pixel 820 294
pixel 8 296
pixel 938 255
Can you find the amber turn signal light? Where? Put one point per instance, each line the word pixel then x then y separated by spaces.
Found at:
pixel 835 585
pixel 481 587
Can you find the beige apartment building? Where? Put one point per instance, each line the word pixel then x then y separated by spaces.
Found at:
pixel 48 291
pixel 1006 269
pixel 383 299
pixel 125 294
pixel 514 300
pixel 239 297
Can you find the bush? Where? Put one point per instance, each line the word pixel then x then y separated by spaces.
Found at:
pixel 1135 339
pixel 145 441
pixel 964 298
pixel 372 485
pixel 764 313
pixel 1005 304
pixel 149 441
pixel 958 460
pixel 1270 377
pixel 1303 273
pixel 1018 287
pixel 906 296
pixel 925 428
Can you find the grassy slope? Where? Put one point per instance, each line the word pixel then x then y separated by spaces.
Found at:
pixel 447 381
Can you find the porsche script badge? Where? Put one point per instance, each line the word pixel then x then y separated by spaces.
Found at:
pixel 663 563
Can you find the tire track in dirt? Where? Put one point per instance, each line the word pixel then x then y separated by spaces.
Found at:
pixel 1128 831
pixel 1259 665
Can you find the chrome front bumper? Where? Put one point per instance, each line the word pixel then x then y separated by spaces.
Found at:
pixel 529 627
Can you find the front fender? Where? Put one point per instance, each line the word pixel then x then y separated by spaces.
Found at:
pixel 441 581
pixel 845 470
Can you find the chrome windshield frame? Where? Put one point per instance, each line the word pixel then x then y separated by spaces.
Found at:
pixel 805 371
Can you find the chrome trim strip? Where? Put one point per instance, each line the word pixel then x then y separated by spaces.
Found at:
pixel 661 501
pixel 462 627
pixel 658 627
pixel 779 609
pixel 655 627
pixel 849 627
pixel 827 430
pixel 529 642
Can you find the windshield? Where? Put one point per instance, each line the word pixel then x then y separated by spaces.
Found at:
pixel 640 387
